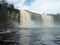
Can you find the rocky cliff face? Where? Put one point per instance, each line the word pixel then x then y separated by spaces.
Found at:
pixel 33 20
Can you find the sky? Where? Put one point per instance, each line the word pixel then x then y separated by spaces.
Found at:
pixel 38 6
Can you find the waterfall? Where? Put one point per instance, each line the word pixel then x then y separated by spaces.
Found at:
pixel 25 19
pixel 47 20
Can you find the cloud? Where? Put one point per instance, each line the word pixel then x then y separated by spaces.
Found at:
pixel 13 1
pixel 38 6
pixel 21 5
pixel 47 6
pixel 18 4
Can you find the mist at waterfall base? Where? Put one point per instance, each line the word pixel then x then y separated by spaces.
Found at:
pixel 39 29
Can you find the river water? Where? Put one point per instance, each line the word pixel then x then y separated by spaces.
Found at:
pixel 34 36
pixel 40 36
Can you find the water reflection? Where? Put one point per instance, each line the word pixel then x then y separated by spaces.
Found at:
pixel 34 36
pixel 39 36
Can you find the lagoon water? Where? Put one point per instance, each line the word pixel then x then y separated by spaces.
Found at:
pixel 35 36
pixel 40 36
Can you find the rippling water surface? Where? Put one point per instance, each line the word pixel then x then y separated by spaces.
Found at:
pixel 40 36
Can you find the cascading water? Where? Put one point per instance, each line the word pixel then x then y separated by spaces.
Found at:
pixel 47 20
pixel 25 19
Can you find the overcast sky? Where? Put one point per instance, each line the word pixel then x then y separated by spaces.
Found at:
pixel 38 6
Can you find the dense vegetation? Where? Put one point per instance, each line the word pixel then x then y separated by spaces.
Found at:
pixel 8 15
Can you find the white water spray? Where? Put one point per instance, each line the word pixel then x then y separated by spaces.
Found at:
pixel 47 20
pixel 25 19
